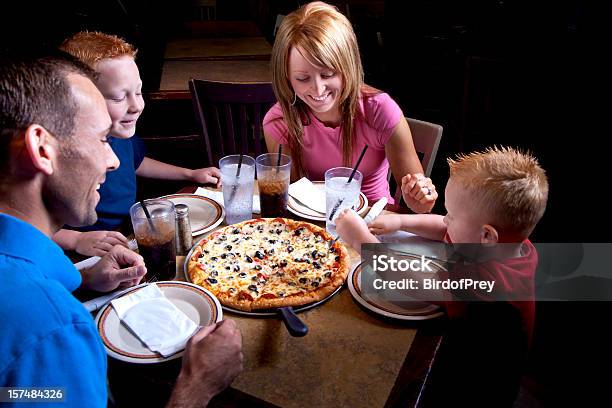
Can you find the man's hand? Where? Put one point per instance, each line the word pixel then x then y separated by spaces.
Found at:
pixel 99 242
pixel 209 175
pixel 384 224
pixel 212 359
pixel 419 193
pixel 119 267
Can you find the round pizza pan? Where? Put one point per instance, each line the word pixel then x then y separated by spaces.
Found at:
pixel 275 312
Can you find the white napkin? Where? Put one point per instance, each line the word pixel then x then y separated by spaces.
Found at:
pixel 306 193
pixel 155 320
pixel 218 197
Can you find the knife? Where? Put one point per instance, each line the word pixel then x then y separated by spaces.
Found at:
pixel 94 304
pixel 375 210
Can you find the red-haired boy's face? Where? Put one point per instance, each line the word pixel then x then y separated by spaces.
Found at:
pixel 119 81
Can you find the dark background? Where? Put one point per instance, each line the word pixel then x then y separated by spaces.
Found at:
pixel 525 74
pixel 520 73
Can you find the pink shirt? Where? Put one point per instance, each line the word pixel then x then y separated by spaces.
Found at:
pixel 322 148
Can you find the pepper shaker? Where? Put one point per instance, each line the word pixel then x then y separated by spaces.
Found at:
pixel 183 230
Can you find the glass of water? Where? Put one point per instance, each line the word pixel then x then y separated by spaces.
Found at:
pixel 340 194
pixel 237 187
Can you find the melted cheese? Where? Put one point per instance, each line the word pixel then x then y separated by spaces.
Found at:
pixel 266 258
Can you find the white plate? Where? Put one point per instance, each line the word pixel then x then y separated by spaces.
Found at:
pixel 402 310
pixel 197 303
pixel 204 213
pixel 301 210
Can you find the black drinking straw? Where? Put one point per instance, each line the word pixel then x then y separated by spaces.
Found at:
pixel 235 186
pixel 146 211
pixel 239 166
pixel 280 149
pixel 339 203
pixel 358 163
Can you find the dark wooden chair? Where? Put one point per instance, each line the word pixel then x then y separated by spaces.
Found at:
pixel 230 116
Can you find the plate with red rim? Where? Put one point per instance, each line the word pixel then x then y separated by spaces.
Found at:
pixel 198 304
pixel 299 209
pixel 402 310
pixel 204 213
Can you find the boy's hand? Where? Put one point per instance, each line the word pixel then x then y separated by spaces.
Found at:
pixel 353 229
pixel 208 175
pixel 99 242
pixel 418 192
pixel 384 224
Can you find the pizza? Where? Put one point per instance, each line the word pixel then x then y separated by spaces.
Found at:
pixel 269 262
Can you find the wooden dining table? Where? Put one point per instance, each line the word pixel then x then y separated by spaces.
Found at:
pixel 350 357
pixel 214 49
pixel 176 74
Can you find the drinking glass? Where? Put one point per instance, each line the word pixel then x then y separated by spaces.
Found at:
pixel 339 194
pixel 237 188
pixel 273 181
pixel 155 238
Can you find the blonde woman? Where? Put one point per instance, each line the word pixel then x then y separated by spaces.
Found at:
pixel 326 114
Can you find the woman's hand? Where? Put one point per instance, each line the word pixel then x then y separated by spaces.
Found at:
pixel 418 192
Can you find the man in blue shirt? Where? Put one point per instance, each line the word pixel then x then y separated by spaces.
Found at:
pixel 53 157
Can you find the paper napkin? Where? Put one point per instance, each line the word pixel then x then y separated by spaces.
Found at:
pixel 306 193
pixel 218 197
pixel 158 323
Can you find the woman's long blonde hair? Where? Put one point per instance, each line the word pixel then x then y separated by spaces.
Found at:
pixel 326 39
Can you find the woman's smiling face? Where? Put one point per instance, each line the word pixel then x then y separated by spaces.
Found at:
pixel 318 87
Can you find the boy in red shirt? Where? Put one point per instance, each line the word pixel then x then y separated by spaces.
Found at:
pixel 492 197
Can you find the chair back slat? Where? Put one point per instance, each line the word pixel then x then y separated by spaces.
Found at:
pixel 217 144
pixel 227 132
pixel 201 119
pixel 240 111
pixel 426 138
pixel 244 128
pixel 257 131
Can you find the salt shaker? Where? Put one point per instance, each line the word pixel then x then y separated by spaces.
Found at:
pixel 183 230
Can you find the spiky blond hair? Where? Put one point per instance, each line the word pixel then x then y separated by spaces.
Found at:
pixel 93 46
pixel 507 184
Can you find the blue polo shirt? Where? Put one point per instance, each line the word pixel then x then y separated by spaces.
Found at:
pixel 48 338
pixel 118 193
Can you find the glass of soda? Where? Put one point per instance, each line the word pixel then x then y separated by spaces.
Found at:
pixel 237 188
pixel 155 238
pixel 273 181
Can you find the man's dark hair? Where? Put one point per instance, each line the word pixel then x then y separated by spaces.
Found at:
pixel 35 90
